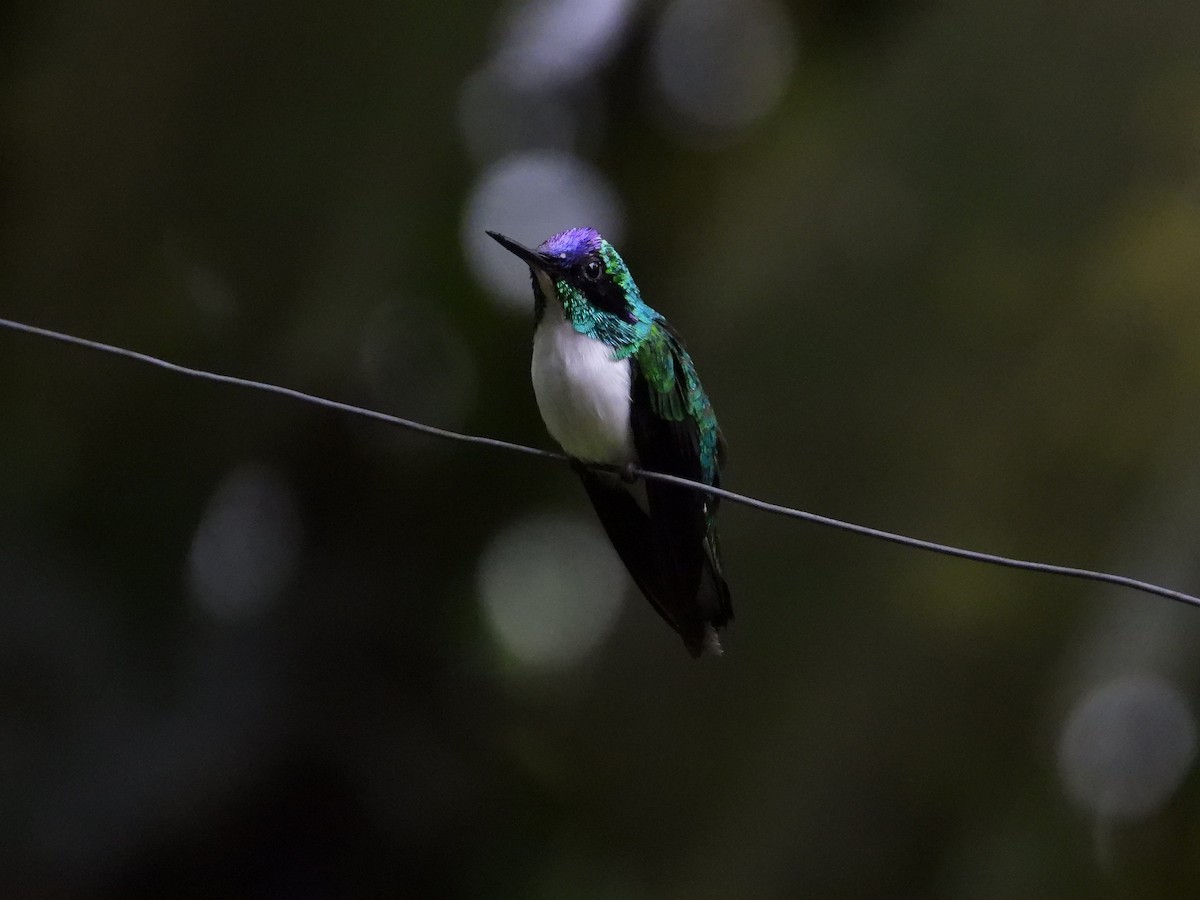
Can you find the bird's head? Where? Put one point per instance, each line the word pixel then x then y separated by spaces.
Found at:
pixel 582 272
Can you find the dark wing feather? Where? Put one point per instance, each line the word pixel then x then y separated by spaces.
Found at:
pixel 672 434
pixel 628 528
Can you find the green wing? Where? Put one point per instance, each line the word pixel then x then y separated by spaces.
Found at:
pixel 675 431
pixel 676 396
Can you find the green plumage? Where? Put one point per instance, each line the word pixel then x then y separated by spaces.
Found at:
pixel 676 394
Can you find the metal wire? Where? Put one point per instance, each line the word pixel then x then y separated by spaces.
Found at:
pixel 731 496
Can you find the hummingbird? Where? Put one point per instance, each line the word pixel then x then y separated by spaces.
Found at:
pixel 615 386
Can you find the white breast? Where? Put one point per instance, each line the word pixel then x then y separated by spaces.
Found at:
pixel 582 392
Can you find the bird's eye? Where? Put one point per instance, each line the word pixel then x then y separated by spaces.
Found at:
pixel 592 269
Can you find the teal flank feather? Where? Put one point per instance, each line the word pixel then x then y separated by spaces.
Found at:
pixel 676 393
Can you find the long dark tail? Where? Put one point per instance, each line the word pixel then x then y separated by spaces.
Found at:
pixel 693 603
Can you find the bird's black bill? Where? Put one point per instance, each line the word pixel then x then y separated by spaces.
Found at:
pixel 530 257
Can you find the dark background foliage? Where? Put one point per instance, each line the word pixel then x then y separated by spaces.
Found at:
pixel 944 282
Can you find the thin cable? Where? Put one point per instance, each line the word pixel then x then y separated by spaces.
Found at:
pixel 945 549
pixel 282 391
pixel 731 496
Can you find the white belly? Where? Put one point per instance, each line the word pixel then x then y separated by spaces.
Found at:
pixel 582 392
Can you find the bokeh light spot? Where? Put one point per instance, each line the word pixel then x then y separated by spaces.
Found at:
pixel 551 588
pixel 547 43
pixel 722 65
pixel 246 546
pixel 1126 747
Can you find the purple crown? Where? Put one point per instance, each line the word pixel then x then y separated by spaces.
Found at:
pixel 572 244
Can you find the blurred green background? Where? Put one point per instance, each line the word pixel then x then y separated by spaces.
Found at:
pixel 938 265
